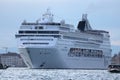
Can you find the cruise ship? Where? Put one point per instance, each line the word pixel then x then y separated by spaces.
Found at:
pixel 47 44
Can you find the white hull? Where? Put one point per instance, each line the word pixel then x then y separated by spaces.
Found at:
pixel 53 58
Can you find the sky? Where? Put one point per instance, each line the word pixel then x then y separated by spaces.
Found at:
pixel 102 14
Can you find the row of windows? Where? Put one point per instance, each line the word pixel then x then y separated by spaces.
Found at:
pixel 41 24
pixel 76 38
pixel 97 41
pixel 36 43
pixel 87 50
pixel 41 32
pixel 85 55
pixel 64 28
pixel 37 39
pixel 77 52
pixel 55 36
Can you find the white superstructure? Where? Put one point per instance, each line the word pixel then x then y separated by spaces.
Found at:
pixel 49 44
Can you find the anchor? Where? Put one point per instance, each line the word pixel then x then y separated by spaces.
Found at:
pixel 42 64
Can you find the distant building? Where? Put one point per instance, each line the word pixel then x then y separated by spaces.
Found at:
pixel 12 59
pixel 116 59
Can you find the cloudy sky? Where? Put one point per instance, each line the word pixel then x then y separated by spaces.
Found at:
pixel 102 14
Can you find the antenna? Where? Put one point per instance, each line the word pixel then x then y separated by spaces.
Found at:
pixel 47 17
pixel 84 17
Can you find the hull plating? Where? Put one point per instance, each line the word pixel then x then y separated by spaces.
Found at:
pixel 54 58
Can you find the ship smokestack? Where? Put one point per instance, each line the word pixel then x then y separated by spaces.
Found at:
pixel 84 24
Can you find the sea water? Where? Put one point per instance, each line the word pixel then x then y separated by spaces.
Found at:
pixel 56 74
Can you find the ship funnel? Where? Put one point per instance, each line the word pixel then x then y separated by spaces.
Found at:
pixel 84 24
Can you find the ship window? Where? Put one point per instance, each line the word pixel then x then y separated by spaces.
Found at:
pixel 30 32
pixel 21 31
pixel 38 27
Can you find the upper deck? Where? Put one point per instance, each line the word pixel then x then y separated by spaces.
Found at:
pixel 47 27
